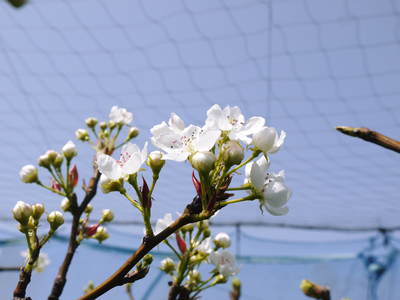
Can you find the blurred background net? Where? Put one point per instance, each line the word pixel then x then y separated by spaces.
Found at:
pixel 307 66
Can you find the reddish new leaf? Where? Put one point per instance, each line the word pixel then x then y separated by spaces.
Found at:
pixel 181 243
pixel 73 176
pixel 55 185
pixel 197 184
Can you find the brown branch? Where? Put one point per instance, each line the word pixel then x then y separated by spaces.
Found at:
pixel 189 216
pixel 77 211
pixel 371 136
pixel 7 269
pixel 25 276
pixel 178 292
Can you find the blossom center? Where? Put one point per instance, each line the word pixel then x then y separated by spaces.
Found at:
pixel 123 158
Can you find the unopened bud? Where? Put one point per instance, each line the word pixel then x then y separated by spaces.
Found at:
pixel 195 276
pixel 69 150
pixel 236 284
pixel 147 259
pixel 51 154
pixel 109 185
pixel 133 132
pixel 88 209
pixel 220 279
pixel 222 240
pixel 58 161
pixel 101 234
pixel 55 219
pixel 206 233
pixel 155 161
pixel 103 125
pixel 107 216
pixel 187 228
pixel 82 135
pixel 111 124
pixel 91 122
pixel 233 153
pixel 203 161
pixel 21 212
pixel 65 204
pixel 37 210
pixel 29 174
pixel 167 265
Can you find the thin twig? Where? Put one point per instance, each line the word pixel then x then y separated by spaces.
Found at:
pixel 371 136
pixel 7 269
pixel 77 211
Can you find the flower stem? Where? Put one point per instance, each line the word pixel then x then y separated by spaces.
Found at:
pixel 240 188
pixel 253 156
pixel 172 248
pixel 134 202
pixel 248 198
pixel 50 189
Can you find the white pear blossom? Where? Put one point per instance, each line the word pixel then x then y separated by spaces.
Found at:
pixel 270 187
pixel 42 261
pixel 222 240
pixel 130 161
pixel 231 119
pixel 163 223
pixel 267 139
pixel 225 262
pixel 120 115
pixel 28 174
pixel 180 142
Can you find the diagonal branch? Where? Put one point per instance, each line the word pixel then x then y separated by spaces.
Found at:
pixel 190 215
pixel 371 136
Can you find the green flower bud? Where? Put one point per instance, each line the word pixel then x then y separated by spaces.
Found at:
pixel 88 209
pixel 37 210
pixel 91 122
pixel 203 161
pixel 82 135
pixel 58 161
pixel 55 219
pixel 21 212
pixel 220 279
pixel 233 153
pixel 167 265
pixel 69 150
pixel 111 124
pixel 65 204
pixel 101 234
pixel 133 132
pixel 29 174
pixel 103 125
pixel 155 161
pixel 107 215
pixel 147 259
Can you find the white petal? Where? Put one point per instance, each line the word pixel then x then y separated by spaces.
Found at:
pixel 130 148
pixel 168 142
pixel 277 211
pixel 206 140
pixel 278 142
pixel 160 129
pixel 257 177
pixel 263 164
pixel 176 123
pixel 253 125
pixel 144 153
pixel 177 156
pixel 264 139
pixel 133 164
pixel 213 115
pixel 108 166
